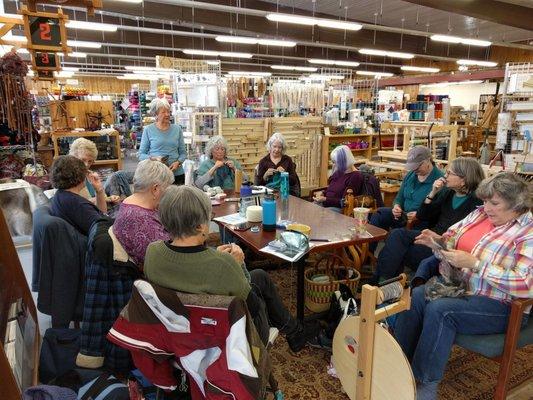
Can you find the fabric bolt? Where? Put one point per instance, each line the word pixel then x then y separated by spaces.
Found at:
pixel 58 255
pixel 136 227
pixel 426 332
pixel 108 289
pixel 338 184
pixel 157 143
pixel 223 176
pixel 210 337
pixel 287 164
pixel 505 257
pixel 76 210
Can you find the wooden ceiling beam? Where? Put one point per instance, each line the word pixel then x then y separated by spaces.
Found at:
pixel 489 10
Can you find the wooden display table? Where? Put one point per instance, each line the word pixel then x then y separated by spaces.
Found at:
pixel 113 147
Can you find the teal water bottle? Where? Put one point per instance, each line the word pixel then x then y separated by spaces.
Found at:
pixel 269 213
pixel 284 195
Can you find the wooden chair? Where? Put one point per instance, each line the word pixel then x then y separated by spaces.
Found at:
pixel 502 347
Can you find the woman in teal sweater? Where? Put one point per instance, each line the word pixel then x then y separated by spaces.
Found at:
pixel 218 169
pixel 163 141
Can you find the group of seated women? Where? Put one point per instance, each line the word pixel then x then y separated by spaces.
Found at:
pixel 478 231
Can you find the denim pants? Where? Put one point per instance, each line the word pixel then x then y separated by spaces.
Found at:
pixel 426 332
pixel 427 268
pixel 399 251
pixel 384 219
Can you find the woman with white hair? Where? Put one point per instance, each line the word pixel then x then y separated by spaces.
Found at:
pixel 276 161
pixel 137 222
pixel 163 141
pixel 345 176
pixel 218 169
pixel 86 151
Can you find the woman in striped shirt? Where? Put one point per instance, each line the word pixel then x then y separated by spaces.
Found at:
pixel 493 250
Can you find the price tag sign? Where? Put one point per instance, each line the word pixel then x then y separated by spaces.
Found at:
pixel 44 60
pixel 45 31
pixel 45 75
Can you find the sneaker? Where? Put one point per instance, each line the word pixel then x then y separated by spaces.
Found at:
pixel 303 334
pixel 320 341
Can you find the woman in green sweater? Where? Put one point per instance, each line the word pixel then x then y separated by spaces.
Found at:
pixel 187 265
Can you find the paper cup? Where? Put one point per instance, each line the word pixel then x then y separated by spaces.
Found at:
pixel 360 215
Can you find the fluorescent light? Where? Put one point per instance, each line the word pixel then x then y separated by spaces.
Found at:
pixel 248 73
pixel 250 40
pixel 467 82
pixel 83 43
pixel 321 77
pixel 217 53
pixel 147 69
pixel 23 51
pixel 63 74
pixel 75 54
pixel 419 69
pixel 333 62
pixel 15 16
pixel 71 69
pixel 91 26
pixel 135 77
pixel 457 40
pixel 371 73
pixel 214 62
pixel 336 24
pixel 385 53
pixel 14 38
pixel 445 84
pixel 310 21
pixel 235 39
pixel 291 19
pixel 294 68
pixel 478 63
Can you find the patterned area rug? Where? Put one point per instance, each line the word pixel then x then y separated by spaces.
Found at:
pixel 304 376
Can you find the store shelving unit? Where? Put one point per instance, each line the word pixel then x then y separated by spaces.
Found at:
pixel 108 144
pixel 204 125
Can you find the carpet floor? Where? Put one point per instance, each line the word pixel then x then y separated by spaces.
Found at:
pixel 304 375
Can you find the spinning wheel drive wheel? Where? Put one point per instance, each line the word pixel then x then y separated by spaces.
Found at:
pixel 391 373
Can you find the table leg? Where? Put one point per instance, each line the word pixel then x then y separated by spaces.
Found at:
pixel 300 295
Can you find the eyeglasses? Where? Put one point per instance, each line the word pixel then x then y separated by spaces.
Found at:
pixel 450 172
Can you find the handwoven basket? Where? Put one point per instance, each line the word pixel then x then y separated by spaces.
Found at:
pixel 318 294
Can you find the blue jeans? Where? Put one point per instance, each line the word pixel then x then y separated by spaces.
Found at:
pixel 427 331
pixel 384 219
pixel 427 268
pixel 399 251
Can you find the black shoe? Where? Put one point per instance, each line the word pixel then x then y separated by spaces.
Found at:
pixel 320 341
pixel 303 334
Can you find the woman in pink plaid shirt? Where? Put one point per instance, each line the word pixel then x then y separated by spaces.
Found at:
pixel 492 249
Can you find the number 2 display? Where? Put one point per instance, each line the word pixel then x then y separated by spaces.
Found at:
pixel 45 31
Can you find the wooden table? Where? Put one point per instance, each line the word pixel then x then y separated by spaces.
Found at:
pixel 324 223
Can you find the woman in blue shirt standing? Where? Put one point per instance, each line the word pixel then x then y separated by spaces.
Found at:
pixel 163 141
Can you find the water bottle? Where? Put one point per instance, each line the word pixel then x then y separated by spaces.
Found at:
pixel 284 196
pixel 246 194
pixel 269 213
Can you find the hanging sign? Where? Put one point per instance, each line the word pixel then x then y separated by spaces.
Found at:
pixel 44 75
pixel 45 31
pixel 45 60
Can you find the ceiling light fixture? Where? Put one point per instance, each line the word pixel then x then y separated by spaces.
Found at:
pixel 320 77
pixel 250 40
pixel 213 62
pixel 83 43
pixel 63 74
pixel 14 38
pixel 217 53
pixel 91 26
pixel 334 62
pixel 71 69
pixel 419 69
pixel 372 73
pixel 478 63
pixel 459 40
pixel 75 54
pixel 310 21
pixel 248 73
pixel 386 53
pixel 135 77
pixel 147 69
pixel 294 68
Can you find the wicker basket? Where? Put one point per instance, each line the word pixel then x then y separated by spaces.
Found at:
pixel 318 294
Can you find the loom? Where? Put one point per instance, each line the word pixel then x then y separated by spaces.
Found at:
pixel 369 362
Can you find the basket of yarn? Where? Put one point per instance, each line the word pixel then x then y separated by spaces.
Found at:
pixel 323 279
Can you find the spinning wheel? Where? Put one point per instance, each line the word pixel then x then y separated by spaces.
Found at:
pixel 368 360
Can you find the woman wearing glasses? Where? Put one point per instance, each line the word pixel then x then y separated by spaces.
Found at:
pixel 451 198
